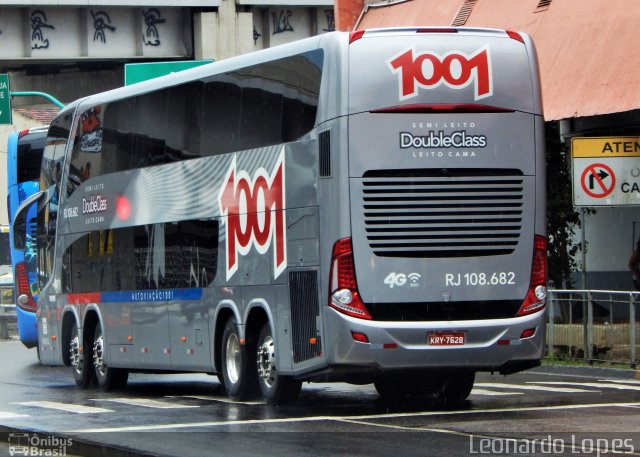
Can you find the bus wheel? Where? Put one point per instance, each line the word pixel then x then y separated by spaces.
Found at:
pixel 394 387
pixel 455 388
pixel 237 362
pixel 108 378
pixel 276 389
pixel 79 356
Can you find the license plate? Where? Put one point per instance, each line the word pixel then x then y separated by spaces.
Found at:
pixel 446 338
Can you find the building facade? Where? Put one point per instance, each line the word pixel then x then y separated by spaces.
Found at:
pixel 73 48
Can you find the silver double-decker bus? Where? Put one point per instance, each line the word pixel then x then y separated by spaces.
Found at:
pixel 366 207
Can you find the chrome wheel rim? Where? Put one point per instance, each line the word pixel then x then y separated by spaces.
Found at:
pixel 98 355
pixel 266 361
pixel 75 355
pixel 233 358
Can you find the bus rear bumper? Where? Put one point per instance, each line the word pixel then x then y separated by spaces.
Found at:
pixel 27 327
pixel 502 345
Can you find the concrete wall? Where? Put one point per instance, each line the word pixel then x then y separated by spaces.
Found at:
pixel 66 85
pixel 218 35
pixel 611 235
pixel 230 32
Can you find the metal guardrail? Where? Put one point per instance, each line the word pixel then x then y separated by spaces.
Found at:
pixel 7 314
pixel 594 325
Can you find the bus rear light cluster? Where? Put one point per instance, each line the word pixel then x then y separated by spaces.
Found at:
pixel 536 298
pixel 437 30
pixel 359 337
pixel 528 333
pixel 344 295
pixel 25 299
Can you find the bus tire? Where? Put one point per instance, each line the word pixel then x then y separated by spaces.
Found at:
pixel 276 389
pixel 108 378
pixel 394 387
pixel 406 386
pixel 80 358
pixel 455 388
pixel 238 362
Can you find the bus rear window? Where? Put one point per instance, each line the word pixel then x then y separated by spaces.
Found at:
pixel 30 149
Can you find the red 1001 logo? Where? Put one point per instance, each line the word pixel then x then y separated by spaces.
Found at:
pixel 254 208
pixel 455 69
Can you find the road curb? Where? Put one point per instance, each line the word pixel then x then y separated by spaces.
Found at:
pixel 78 447
pixel 588 371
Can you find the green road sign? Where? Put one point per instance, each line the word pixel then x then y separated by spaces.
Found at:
pixel 5 100
pixel 136 72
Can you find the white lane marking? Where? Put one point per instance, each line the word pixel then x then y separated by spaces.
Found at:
pixel 146 402
pixel 624 381
pixel 400 427
pixel 139 428
pixel 492 393
pixel 68 407
pixel 530 386
pixel 8 415
pixel 217 399
pixel 584 447
pixel 603 385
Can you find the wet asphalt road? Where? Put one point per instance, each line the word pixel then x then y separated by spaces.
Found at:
pixel 548 411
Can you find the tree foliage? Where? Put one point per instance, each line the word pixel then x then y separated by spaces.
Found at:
pixel 562 217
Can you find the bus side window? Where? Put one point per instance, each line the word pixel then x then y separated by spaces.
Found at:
pixel 157 256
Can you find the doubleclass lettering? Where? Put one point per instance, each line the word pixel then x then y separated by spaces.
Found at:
pixel 460 139
pixel 95 204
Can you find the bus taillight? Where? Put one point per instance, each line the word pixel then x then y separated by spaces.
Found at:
pixel 344 288
pixel 537 296
pixel 355 36
pixel 515 36
pixel 25 299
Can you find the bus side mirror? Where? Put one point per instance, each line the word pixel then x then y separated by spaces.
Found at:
pixel 19 224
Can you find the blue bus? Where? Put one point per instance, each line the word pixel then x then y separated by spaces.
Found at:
pixel 24 157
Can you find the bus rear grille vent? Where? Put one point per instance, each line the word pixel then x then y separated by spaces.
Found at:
pixel 464 13
pixel 457 215
pixel 303 297
pixel 325 153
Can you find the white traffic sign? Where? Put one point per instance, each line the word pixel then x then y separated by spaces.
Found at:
pixel 606 171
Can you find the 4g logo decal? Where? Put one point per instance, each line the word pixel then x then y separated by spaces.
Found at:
pixel 455 69
pixel 254 207
pixel 394 279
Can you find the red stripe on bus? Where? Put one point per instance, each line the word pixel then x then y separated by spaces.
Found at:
pixel 83 299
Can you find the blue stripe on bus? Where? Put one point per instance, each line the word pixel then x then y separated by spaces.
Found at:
pixel 157 295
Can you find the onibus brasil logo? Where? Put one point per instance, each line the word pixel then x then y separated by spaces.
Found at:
pixel 254 210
